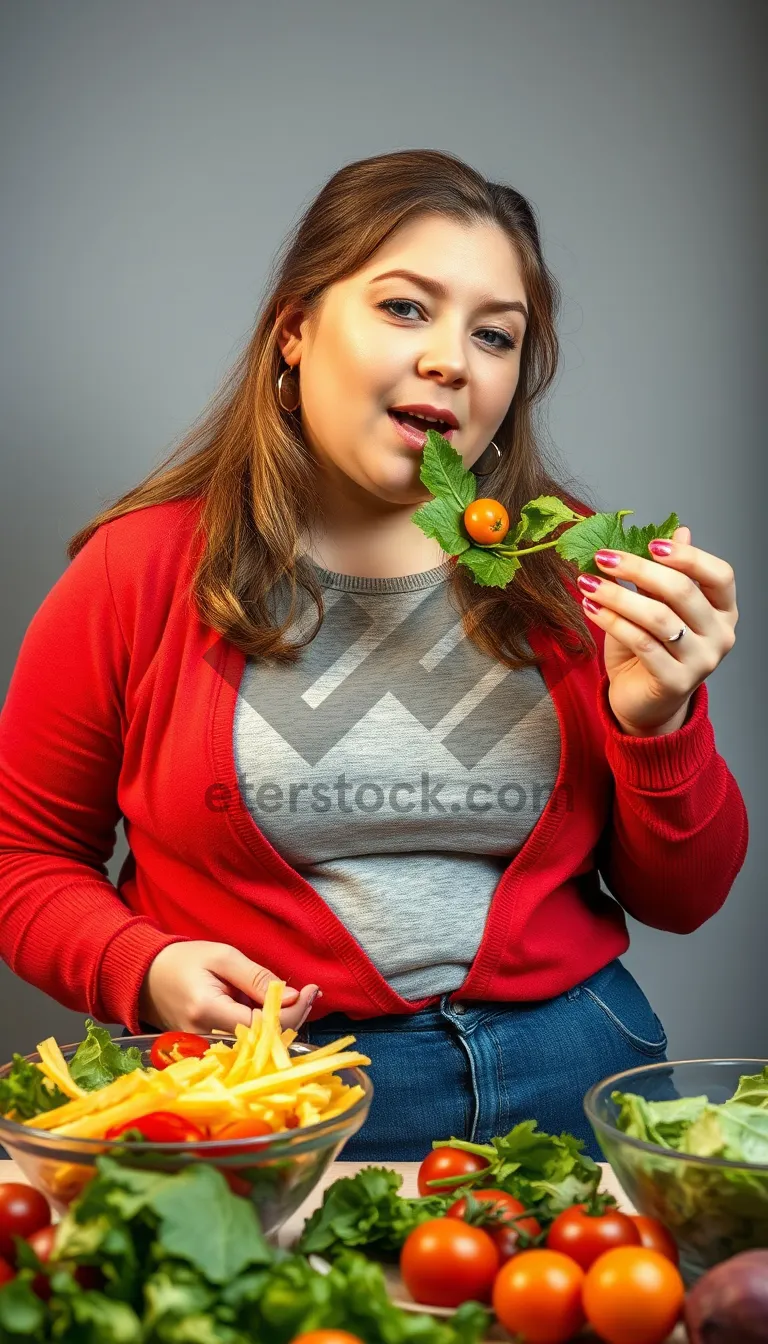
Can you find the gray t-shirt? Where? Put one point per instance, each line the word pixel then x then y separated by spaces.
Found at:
pixel 397 768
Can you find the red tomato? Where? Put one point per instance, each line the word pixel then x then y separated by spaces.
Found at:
pixel 537 1297
pixel 633 1296
pixel 170 1046
pixel 445 1262
pixel 326 1337
pixel 486 521
pixel 23 1210
pixel 505 1233
pixel 6 1272
pixel 584 1236
pixel 42 1244
pixel 160 1127
pixel 442 1162
pixel 655 1237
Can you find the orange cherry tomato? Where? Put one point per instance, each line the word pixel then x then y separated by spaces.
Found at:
pixel 537 1297
pixel 445 1262
pixel 442 1162
pixel 171 1046
pixel 486 521
pixel 656 1237
pixel 633 1296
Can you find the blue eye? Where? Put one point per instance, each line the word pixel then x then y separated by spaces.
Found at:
pixel 507 341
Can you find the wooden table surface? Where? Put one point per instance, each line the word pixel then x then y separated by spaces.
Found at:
pixel 291 1229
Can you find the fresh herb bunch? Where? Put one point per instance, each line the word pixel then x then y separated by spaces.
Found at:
pixel 494 565
pixel 26 1091
pixel 546 1172
pixel 184 1261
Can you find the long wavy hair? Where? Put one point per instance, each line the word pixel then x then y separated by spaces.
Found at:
pixel 246 461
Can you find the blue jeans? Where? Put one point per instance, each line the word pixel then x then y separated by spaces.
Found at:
pixel 445 1073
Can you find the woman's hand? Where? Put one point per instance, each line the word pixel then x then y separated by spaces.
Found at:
pixel 199 986
pixel 651 680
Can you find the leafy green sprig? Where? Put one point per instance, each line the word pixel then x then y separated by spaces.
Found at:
pixel 495 565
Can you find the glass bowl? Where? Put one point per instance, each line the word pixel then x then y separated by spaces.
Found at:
pixel 276 1171
pixel 713 1207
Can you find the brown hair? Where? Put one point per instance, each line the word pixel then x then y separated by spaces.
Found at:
pixel 247 461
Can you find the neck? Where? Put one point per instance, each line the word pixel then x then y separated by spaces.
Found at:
pixel 387 546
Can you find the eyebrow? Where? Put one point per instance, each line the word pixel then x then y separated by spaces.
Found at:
pixel 439 290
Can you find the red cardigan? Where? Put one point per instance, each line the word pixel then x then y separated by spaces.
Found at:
pixel 121 704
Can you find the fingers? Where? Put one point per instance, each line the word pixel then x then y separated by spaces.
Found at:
pixel 251 980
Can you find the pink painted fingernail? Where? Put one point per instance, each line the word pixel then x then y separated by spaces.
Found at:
pixel 608 558
pixel 588 584
pixel 660 547
pixel 592 607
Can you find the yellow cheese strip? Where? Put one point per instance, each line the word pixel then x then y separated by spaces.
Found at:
pixel 270 1026
pixel 280 1057
pixel 310 1067
pixel 119 1090
pixel 54 1066
pixel 94 1126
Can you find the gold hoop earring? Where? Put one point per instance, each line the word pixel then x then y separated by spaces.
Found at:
pixel 492 444
pixel 294 386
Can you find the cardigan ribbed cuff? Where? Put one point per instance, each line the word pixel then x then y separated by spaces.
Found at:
pixel 658 763
pixel 127 959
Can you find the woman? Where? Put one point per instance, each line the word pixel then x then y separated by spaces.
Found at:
pixel 339 760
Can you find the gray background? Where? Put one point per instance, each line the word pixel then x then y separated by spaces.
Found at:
pixel 153 155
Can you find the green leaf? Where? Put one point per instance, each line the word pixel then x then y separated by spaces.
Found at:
pixel 21 1311
pixel 202 1222
pixel 602 531
pixel 99 1060
pixel 541 516
pixel 97 1319
pixel 488 568
pixel 439 518
pixel 26 1092
pixel 443 471
pixel 753 1089
pixel 745 1130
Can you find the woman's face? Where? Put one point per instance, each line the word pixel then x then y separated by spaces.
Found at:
pixel 378 343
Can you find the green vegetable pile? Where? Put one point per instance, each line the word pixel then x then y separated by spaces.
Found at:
pixel 184 1261
pixel 98 1060
pixel 545 1171
pixel 713 1211
pixel 454 487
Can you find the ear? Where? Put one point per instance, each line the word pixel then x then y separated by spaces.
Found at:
pixel 289 336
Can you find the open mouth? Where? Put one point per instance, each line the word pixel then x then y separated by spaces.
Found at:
pixel 413 428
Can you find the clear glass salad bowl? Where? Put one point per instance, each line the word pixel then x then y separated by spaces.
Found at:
pixel 712 1206
pixel 276 1171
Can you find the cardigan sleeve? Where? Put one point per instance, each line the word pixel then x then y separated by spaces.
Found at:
pixel 678 830
pixel 63 925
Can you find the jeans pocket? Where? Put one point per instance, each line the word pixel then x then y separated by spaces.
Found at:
pixel 617 994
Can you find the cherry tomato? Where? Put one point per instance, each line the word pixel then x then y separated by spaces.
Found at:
pixel 486 521
pixel 171 1046
pixel 505 1233
pixel 327 1337
pixel 42 1244
pixel 23 1210
pixel 6 1272
pixel 442 1162
pixel 656 1237
pixel 633 1296
pixel 537 1297
pixel 585 1236
pixel 445 1262
pixel 160 1127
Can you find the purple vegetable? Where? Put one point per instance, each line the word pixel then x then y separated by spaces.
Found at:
pixel 729 1304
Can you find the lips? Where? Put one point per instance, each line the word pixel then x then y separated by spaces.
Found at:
pixel 415 437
